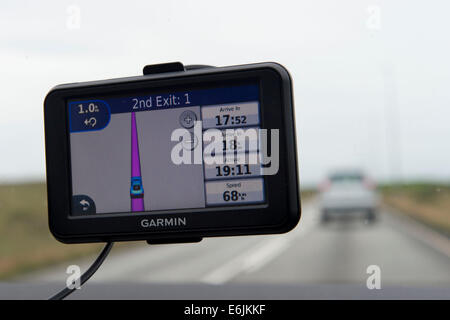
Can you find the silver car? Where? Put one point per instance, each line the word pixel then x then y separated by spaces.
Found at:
pixel 345 192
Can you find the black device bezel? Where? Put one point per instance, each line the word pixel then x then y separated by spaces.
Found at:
pixel 279 214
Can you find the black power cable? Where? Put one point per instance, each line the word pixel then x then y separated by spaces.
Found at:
pixel 89 272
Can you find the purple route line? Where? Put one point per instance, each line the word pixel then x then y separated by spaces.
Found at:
pixel 137 204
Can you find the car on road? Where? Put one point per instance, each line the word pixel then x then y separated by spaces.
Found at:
pixel 136 189
pixel 347 192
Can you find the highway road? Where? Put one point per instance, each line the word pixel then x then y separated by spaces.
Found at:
pixel 408 254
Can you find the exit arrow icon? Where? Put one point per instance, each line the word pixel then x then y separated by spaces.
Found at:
pixel 85 204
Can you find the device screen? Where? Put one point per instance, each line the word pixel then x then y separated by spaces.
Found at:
pixel 160 150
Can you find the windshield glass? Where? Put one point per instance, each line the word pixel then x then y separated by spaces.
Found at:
pixel 370 84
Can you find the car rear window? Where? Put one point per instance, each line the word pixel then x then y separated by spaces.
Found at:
pixel 346 177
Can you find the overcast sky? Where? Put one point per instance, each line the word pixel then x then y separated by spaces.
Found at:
pixel 371 78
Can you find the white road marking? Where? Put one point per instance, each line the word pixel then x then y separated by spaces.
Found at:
pixel 249 261
pixel 261 254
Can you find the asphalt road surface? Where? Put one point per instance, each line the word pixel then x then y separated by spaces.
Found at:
pixel 408 255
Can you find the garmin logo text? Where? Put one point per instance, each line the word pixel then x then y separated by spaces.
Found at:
pixel 166 222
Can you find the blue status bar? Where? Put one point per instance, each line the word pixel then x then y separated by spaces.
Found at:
pixel 95 114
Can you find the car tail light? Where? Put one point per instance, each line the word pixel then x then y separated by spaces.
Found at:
pixel 325 185
pixel 369 183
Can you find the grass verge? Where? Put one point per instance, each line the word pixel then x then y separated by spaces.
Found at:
pixel 25 240
pixel 428 203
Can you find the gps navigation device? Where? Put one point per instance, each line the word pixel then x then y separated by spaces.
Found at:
pixel 179 153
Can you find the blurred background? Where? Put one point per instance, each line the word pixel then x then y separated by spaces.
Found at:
pixel 372 112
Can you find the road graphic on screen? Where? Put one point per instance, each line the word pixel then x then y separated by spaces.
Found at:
pixel 105 179
pixel 137 188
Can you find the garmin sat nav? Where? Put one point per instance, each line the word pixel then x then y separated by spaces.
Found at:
pixel 173 155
